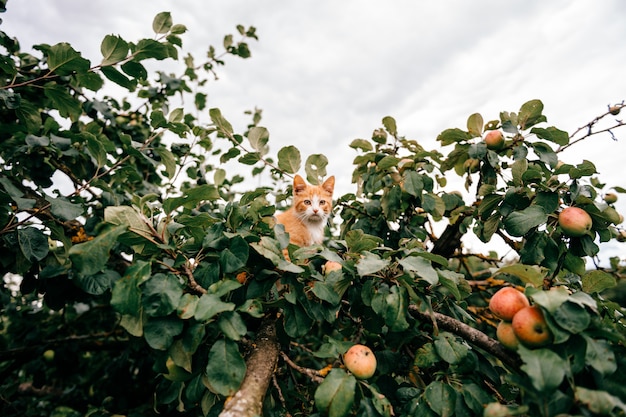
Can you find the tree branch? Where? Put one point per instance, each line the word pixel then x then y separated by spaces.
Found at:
pixel 248 400
pixel 472 335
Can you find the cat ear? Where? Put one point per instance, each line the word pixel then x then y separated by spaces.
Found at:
pixel 329 184
pixel 298 184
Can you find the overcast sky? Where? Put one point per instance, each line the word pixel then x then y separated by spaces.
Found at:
pixel 326 72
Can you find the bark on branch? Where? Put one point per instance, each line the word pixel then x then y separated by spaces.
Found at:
pixel 248 400
pixel 472 335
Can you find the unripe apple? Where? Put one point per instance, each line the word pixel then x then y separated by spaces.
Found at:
pixel 471 165
pixel 506 335
pixel 330 266
pixel 494 139
pixel 575 221
pixel 506 302
pixel 610 198
pixel 531 328
pixel 361 361
pixel 48 355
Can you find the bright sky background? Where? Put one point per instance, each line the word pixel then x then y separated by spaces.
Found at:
pixel 326 72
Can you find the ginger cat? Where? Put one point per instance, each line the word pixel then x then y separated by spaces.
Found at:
pixel 308 215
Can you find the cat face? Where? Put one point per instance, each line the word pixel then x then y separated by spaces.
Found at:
pixel 313 203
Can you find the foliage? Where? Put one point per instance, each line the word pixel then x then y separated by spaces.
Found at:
pixel 138 274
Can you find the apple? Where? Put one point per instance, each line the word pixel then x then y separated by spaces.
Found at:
pixel 506 335
pixel 404 164
pixel 471 165
pixel 48 355
pixel 610 198
pixel 506 302
pixel 575 221
pixel 531 328
pixel 361 361
pixel 614 110
pixel 331 266
pixel 494 139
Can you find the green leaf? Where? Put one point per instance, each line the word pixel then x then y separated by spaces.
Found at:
pixel 450 136
pixel 119 78
pixel 396 306
pixel 530 114
pixel 529 274
pixel 296 322
pixel 192 197
pixel 359 242
pixel 362 144
pixel 91 257
pixel 63 101
pixel 96 149
pixel 315 168
pixel 289 159
pixel 97 284
pixel 235 256
pixel 572 317
pixel 552 134
pixel 33 243
pixel 258 137
pixel 422 267
pixel 64 209
pixel 209 306
pixel 545 153
pixel 390 125
pixel 335 395
pixel 126 295
pixel 135 70
pixel 64 60
pixel 169 160
pixel 600 356
pixel 441 398
pixel 449 349
pixel 232 325
pixel 520 222
pixel 161 294
pixel 599 402
pixel 370 264
pixel 29 116
pixel 413 183
pixel 220 122
pixel 475 125
pixel 149 48
pixel 597 281
pixel 128 216
pixel 160 332
pixel 114 49
pixel 225 369
pixel 545 368
pixel 162 22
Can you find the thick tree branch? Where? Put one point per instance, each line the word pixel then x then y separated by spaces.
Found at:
pixel 472 335
pixel 248 400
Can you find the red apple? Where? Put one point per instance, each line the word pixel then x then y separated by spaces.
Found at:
pixel 530 327
pixel 614 110
pixel 506 335
pixel 506 302
pixel 494 139
pixel 361 361
pixel 575 221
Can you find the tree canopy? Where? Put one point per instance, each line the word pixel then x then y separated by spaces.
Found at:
pixel 140 267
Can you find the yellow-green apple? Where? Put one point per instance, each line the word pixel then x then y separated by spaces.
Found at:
pixel 506 335
pixel 575 221
pixel 471 165
pixel 361 361
pixel 494 139
pixel 531 328
pixel 506 302
pixel 610 198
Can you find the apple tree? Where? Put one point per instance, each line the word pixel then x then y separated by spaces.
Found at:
pixel 144 275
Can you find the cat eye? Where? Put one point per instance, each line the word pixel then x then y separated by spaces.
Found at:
pixel 307 202
pixel 322 201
